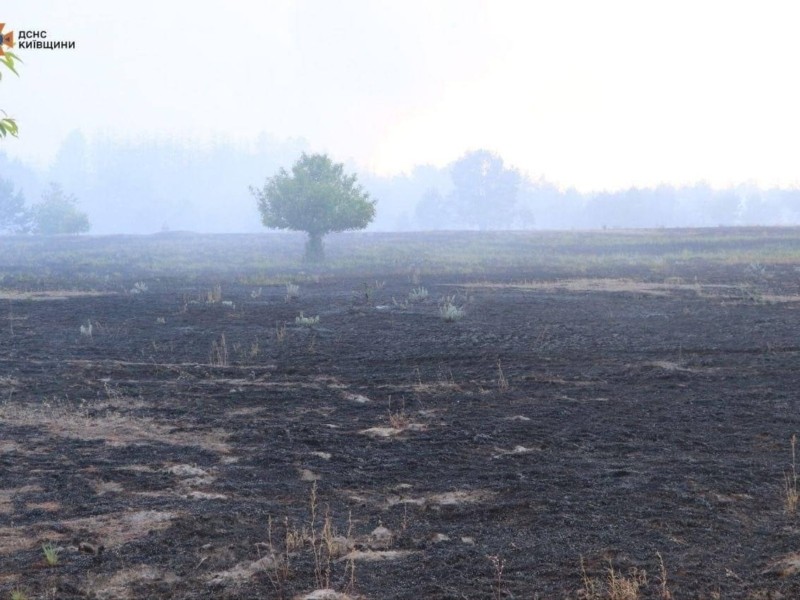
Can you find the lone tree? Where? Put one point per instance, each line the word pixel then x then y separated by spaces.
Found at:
pixel 316 197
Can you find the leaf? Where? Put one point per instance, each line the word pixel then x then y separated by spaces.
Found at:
pixel 8 61
pixel 8 127
pixel 10 65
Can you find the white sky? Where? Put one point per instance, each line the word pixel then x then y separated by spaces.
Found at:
pixel 585 93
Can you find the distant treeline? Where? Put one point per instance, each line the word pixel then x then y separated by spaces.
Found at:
pixel 146 186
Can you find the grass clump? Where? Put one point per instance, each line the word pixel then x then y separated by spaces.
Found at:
pixel 50 554
pixel 86 330
pixel 618 586
pixel 449 311
pixel 418 294
pixel 292 292
pixel 399 419
pixel 304 321
pixel 140 287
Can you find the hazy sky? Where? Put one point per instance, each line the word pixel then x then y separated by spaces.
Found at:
pixel 585 93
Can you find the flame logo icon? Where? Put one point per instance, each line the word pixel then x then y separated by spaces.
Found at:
pixel 7 39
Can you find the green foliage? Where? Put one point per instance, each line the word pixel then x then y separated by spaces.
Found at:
pixel 434 211
pixel 50 554
pixel 58 213
pixel 316 197
pixel 8 59
pixel 8 126
pixel 14 217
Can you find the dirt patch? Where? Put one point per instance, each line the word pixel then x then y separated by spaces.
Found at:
pixel 617 285
pixel 358 398
pixel 453 498
pixel 459 497
pixel 122 584
pixel 780 298
pixel 107 487
pixel 668 365
pixel 326 595
pixel 242 572
pixel 7 496
pixel 309 475
pixel 13 540
pixel 51 294
pixel 111 530
pixel 376 555
pixel 391 432
pixel 189 471
pixel 51 507
pixel 112 429
pixel 786 566
pixel 116 529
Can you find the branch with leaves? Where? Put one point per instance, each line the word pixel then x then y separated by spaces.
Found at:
pixel 8 126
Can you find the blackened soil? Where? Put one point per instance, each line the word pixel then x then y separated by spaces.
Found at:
pixel 553 433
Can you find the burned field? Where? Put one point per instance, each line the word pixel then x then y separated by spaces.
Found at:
pixel 599 429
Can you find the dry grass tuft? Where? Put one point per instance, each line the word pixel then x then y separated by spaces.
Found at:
pixel 625 588
pixel 502 382
pixel 218 356
pixel 497 583
pixel 664 592
pixel 617 586
pixel 292 292
pixel 790 482
pixel 122 584
pixel 214 295
pixel 319 538
pixel 399 419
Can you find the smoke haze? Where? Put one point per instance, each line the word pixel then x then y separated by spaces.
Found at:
pixel 615 114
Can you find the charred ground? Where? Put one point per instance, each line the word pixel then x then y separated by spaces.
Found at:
pixel 607 401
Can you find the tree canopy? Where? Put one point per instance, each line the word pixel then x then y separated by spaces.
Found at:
pixel 14 216
pixel 485 189
pixel 317 197
pixel 58 213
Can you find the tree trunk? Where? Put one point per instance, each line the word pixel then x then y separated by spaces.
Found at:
pixel 314 251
